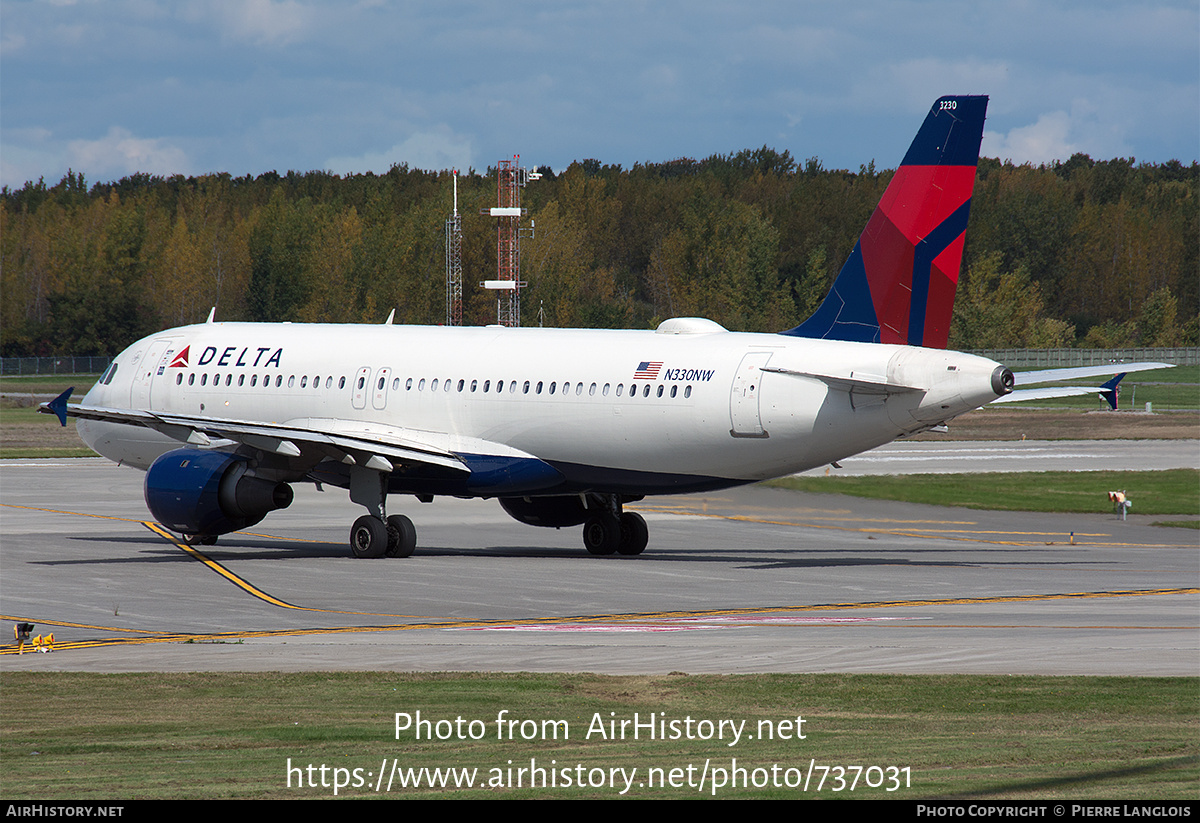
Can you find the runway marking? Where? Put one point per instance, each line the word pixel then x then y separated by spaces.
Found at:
pixel 77 514
pixel 243 584
pixel 601 620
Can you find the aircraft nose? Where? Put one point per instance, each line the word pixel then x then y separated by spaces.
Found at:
pixel 1002 380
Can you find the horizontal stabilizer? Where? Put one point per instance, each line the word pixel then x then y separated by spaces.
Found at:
pixel 865 385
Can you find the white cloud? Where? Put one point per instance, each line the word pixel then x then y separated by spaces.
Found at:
pixel 119 153
pixel 261 22
pixel 430 150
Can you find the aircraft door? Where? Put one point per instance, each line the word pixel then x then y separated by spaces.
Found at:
pixel 743 398
pixel 361 388
pixel 379 395
pixel 150 365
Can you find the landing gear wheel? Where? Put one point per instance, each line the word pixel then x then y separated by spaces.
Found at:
pixel 200 539
pixel 634 534
pixel 402 536
pixel 601 535
pixel 368 537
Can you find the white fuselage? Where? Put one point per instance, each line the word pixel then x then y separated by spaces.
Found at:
pixel 692 408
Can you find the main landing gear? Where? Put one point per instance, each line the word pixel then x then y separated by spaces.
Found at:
pixel 372 537
pixel 612 530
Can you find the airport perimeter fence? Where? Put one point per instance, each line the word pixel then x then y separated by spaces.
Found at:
pixel 1065 358
pixel 16 366
pixel 1013 358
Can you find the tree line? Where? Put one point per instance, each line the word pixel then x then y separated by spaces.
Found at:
pixel 1075 253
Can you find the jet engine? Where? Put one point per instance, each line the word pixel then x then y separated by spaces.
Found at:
pixel 210 493
pixel 553 512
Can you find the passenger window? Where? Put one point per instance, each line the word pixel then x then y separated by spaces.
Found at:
pixel 253 380
pixel 673 390
pixel 526 387
pixel 620 388
pixel 192 379
pixel 659 392
pixel 329 382
pixel 552 388
pixel 241 380
pixel 512 387
pixel 421 385
pixel 362 382
pixel 474 385
pixel 278 380
pixel 687 391
pixel 303 382
pixel 179 379
pixel 538 390
pixel 204 380
pixel 342 382
pixel 291 381
pixel 646 391
pixel 487 384
pixel 461 383
pixel 408 384
pixel 605 390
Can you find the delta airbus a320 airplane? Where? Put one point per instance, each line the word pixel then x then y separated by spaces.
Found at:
pixel 563 426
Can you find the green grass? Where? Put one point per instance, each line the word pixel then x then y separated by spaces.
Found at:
pixel 94 737
pixel 1174 491
pixel 48 383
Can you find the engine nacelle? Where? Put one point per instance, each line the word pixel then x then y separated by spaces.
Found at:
pixel 553 512
pixel 210 493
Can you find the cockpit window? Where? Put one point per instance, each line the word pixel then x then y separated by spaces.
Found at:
pixel 108 375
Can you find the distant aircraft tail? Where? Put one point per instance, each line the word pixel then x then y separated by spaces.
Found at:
pixel 898 285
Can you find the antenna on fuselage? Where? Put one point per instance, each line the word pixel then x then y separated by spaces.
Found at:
pixel 391 317
pixel 212 313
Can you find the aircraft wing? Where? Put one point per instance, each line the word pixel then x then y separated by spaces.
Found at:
pixel 374 445
pixel 1107 391
pixel 1028 378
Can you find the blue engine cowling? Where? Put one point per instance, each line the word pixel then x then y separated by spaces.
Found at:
pixel 210 493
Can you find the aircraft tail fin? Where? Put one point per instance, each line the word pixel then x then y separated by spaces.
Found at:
pixel 898 285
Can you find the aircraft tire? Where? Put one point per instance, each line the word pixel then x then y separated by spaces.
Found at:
pixel 368 537
pixel 601 535
pixel 402 536
pixel 634 534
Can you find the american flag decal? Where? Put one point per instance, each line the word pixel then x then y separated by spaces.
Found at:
pixel 647 370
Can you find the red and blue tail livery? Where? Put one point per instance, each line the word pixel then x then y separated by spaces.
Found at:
pixel 898 285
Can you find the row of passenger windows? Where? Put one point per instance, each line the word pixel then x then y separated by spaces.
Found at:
pixel 266 380
pixel 447 385
pixel 528 386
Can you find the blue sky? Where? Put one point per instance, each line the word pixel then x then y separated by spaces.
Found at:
pixel 111 87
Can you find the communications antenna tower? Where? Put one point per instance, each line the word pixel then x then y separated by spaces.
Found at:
pixel 511 178
pixel 454 263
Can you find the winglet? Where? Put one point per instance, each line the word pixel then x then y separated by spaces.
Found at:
pixel 898 285
pixel 58 406
pixel 1112 390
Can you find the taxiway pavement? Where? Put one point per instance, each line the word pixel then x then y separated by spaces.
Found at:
pixel 745 580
